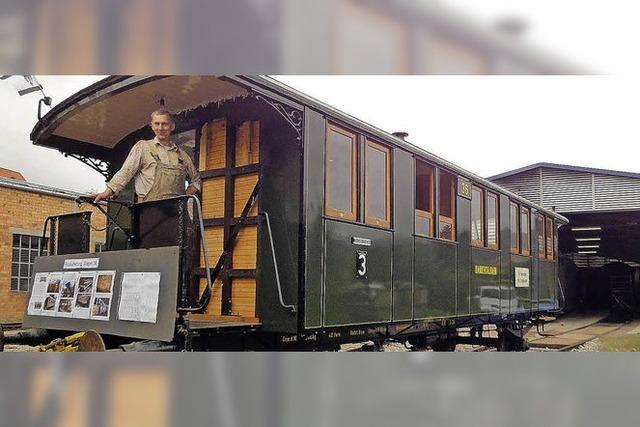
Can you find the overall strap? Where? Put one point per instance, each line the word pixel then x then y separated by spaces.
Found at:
pixel 153 150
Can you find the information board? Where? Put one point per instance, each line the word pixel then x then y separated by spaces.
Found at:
pixel 78 292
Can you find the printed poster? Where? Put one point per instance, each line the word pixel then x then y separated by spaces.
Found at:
pixel 67 292
pixel 139 297
pixel 102 297
pixel 84 292
pixel 38 294
pixel 50 303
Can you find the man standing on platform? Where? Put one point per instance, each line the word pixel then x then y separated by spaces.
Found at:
pixel 158 167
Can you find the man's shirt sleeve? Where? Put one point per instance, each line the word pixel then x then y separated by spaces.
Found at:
pixel 129 169
pixel 193 174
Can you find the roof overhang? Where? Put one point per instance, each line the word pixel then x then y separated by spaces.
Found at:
pixel 96 119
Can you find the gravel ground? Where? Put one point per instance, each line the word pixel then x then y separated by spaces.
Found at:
pixel 13 348
pixel 588 347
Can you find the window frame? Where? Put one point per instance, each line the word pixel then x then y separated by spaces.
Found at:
pixel 372 220
pixel 550 248
pixel 490 195
pixel 474 242
pixel 422 213
pixel 541 235
pixel 525 210
pixel 99 245
pixel 329 210
pixel 42 246
pixel 445 219
pixel 514 249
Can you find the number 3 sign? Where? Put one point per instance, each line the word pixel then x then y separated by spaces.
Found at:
pixel 361 264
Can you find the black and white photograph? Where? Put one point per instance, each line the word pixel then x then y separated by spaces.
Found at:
pixel 50 303
pixel 85 283
pixel 68 284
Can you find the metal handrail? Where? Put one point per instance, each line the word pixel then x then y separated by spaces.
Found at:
pixel 209 288
pixel 291 307
pixel 89 199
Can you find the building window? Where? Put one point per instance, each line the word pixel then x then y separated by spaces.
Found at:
pixel 377 185
pixel 100 247
pixel 549 234
pixel 541 239
pixel 492 221
pixel 477 214
pixel 446 206
pixel 25 250
pixel 525 231
pixel 340 175
pixel 424 199
pixel 514 228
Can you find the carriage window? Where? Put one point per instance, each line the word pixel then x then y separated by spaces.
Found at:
pixel 377 185
pixel 476 217
pixel 513 226
pixel 447 206
pixel 541 240
pixel 340 173
pixel 424 199
pixel 549 238
pixel 525 231
pixel 492 221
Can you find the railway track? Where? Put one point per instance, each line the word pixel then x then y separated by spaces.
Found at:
pixel 571 339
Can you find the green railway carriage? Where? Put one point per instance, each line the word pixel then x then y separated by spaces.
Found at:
pixel 322 229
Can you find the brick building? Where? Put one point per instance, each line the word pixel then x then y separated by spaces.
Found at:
pixel 24 206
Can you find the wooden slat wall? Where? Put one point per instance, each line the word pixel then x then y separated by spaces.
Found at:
pixel 248 137
pixel 213 238
pixel 244 256
pixel 243 297
pixel 243 187
pixel 244 253
pixel 215 303
pixel 212 145
pixel 213 198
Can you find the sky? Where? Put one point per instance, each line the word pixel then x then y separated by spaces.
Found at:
pixel 485 124
pixel 37 164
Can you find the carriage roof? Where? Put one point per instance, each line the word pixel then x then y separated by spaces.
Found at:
pixel 94 120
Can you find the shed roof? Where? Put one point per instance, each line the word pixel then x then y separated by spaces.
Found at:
pixel 564 167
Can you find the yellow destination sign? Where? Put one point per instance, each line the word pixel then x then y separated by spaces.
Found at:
pixel 490 270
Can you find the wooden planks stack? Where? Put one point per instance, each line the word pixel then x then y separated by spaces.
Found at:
pixel 213 156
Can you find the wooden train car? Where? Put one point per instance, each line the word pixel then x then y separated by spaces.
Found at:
pixel 325 230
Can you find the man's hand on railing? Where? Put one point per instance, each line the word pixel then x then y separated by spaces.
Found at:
pixel 105 195
pixel 89 198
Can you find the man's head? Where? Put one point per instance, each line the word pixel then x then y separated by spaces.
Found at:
pixel 162 124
